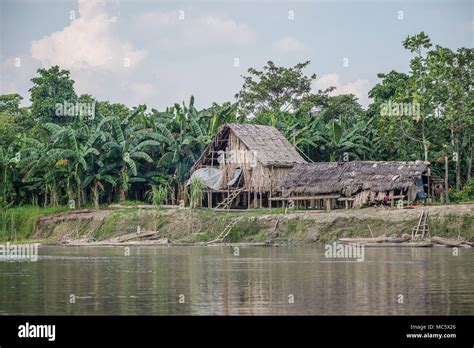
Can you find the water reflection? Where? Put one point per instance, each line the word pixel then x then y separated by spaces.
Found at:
pixel 213 281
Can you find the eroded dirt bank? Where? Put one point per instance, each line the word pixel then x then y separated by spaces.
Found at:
pixel 203 225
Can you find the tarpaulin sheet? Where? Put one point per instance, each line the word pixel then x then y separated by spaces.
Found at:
pixel 420 189
pixel 211 177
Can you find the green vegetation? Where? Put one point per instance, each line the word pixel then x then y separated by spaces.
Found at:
pixel 196 192
pixel 466 193
pixel 131 203
pixel 18 224
pixel 77 151
pixel 245 231
pixel 157 195
pixel 453 226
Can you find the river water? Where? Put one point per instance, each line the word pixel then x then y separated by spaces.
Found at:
pixel 216 281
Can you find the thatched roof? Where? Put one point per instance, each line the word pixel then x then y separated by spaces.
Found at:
pixel 348 178
pixel 269 145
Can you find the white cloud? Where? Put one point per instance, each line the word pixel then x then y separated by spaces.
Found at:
pixel 141 93
pixel 360 88
pixel 87 43
pixel 288 44
pixel 174 29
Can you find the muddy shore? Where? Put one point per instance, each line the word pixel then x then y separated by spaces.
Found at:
pixel 138 226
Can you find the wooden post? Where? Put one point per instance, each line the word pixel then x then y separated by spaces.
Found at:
pixel 429 185
pixel 327 202
pixel 469 163
pixel 446 181
pixel 271 189
pixel 270 198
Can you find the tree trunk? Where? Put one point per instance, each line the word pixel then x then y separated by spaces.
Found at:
pixel 446 181
pixel 469 163
pixel 425 145
pixel 458 165
pixel 46 196
pixel 78 195
pixel 122 194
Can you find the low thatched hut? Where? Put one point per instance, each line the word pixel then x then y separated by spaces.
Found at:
pixel 357 183
pixel 244 164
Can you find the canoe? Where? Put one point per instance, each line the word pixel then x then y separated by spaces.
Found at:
pixel 389 245
pixel 447 241
pixel 363 240
pixel 394 240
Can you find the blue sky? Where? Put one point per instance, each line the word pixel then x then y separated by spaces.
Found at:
pixel 161 52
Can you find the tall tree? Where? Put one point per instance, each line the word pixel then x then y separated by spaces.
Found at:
pixel 51 88
pixel 277 88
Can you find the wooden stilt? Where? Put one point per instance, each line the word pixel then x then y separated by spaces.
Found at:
pixel 328 204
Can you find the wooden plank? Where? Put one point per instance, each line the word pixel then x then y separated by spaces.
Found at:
pixel 397 196
pixel 304 198
pixel 225 191
pixel 378 239
pixel 388 245
pixel 136 235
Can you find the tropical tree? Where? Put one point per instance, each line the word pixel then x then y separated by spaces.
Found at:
pixel 53 86
pixel 126 146
pixel 277 88
pixel 343 143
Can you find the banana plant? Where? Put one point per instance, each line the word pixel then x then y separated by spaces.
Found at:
pixel 126 146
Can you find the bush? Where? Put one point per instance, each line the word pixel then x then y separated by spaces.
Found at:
pixel 157 195
pixel 465 194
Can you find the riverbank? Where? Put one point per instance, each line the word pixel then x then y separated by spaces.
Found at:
pixel 201 226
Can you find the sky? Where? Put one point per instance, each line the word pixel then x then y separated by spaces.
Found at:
pixel 161 52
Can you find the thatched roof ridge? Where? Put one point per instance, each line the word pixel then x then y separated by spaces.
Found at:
pixel 271 147
pixel 348 178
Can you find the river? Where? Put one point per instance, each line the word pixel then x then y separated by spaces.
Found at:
pixel 224 281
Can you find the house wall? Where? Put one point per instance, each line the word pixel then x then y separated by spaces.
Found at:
pixel 257 177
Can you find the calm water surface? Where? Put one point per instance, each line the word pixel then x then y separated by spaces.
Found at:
pixel 258 281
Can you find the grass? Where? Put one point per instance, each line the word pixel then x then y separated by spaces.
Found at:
pixel 17 224
pixel 452 226
pixel 132 203
pixel 246 230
